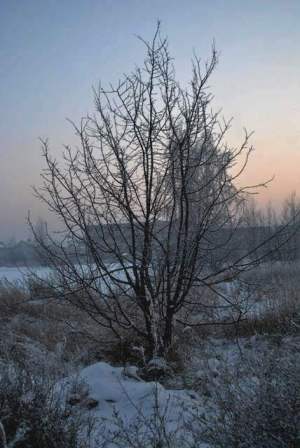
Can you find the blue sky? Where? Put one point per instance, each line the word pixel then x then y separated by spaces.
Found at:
pixel 53 52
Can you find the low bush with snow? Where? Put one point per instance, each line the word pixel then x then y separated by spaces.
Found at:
pixel 33 415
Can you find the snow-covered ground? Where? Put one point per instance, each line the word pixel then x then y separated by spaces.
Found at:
pixel 127 407
pixel 211 368
pixel 120 396
pixel 18 275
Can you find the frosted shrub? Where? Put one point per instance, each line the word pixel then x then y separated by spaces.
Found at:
pixel 33 416
pixel 262 411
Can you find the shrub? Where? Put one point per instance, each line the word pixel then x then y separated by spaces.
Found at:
pixel 262 410
pixel 34 416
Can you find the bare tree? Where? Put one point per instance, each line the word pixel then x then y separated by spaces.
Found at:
pixel 151 195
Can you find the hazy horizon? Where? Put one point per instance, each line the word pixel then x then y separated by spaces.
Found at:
pixel 52 53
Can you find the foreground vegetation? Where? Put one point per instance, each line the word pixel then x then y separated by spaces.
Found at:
pixel 243 379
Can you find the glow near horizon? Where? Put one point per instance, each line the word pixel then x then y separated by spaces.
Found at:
pixel 52 53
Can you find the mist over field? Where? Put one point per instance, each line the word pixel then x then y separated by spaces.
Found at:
pixel 149 244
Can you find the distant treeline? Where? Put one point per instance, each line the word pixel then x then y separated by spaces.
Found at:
pixel 272 242
pixel 267 241
pixel 19 253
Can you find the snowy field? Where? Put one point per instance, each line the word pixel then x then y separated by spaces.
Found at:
pixel 218 376
pixel 251 306
pixel 18 275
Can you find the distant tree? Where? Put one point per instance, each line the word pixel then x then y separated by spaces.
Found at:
pixel 290 209
pixel 152 187
pixel 290 215
pixel 40 229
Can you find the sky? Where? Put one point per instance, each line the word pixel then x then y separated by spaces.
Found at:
pixel 53 51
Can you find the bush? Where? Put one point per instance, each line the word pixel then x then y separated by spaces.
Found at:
pixel 262 410
pixel 34 416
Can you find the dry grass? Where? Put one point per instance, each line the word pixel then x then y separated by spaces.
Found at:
pixel 48 325
pixel 60 328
